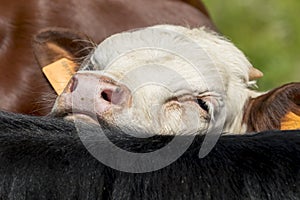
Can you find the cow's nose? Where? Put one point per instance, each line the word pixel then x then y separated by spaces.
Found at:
pixel 115 94
pixel 103 92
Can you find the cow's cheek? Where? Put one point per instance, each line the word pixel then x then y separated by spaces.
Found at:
pixel 126 118
pixel 171 120
pixel 192 118
pixel 184 118
pixel 107 116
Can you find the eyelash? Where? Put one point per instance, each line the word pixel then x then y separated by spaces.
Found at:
pixel 199 101
pixel 203 105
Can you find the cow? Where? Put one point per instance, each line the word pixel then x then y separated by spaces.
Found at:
pixel 45 158
pixel 23 87
pixel 167 79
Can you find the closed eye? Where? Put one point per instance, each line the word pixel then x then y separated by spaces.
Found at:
pixel 199 100
pixel 203 105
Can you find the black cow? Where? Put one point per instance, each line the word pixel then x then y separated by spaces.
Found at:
pixel 44 158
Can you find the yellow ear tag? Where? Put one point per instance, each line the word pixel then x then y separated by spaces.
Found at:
pixel 291 121
pixel 59 73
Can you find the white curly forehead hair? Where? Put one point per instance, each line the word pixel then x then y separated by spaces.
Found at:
pixel 164 67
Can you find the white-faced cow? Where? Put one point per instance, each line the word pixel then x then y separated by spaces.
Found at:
pixel 168 79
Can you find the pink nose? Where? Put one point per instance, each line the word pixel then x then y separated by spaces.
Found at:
pixel 95 93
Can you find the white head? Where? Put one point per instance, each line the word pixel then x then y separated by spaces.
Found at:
pixel 163 79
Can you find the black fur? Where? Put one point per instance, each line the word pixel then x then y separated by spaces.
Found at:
pixel 43 158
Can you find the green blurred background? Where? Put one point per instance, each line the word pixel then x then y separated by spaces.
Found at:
pixel 268 32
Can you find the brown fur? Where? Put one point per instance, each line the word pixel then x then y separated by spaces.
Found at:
pixel 267 111
pixel 22 84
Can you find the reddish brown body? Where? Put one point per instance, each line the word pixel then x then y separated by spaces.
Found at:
pixel 23 87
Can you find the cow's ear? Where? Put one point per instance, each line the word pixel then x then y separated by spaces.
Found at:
pixel 276 109
pixel 53 44
pixel 60 52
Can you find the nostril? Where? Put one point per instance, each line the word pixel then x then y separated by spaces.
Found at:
pixel 73 84
pixel 106 95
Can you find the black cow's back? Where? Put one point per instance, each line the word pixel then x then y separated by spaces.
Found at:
pixel 43 158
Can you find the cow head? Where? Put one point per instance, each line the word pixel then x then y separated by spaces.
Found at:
pixel 165 79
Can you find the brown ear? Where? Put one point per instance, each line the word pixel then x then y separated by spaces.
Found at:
pixel 52 44
pixel 277 109
pixel 59 52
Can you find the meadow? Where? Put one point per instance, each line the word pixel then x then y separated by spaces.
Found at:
pixel 268 32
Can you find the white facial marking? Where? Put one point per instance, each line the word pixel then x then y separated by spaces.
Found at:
pixel 166 69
